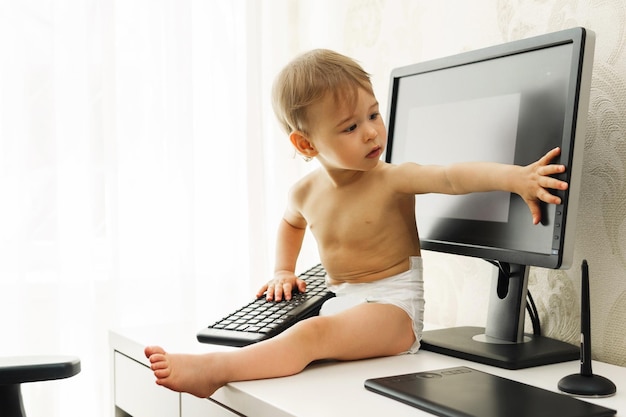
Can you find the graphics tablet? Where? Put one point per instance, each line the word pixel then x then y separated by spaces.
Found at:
pixel 466 392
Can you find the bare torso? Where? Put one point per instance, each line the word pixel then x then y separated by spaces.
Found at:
pixel 365 230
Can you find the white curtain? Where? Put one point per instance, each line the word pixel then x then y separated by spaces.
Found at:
pixel 142 174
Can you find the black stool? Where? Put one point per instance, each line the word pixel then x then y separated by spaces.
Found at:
pixel 20 369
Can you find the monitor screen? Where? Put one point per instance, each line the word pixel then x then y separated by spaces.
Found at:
pixel 509 103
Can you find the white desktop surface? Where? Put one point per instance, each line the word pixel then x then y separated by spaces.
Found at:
pixel 336 388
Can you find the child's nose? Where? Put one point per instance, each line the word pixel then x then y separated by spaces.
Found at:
pixel 370 134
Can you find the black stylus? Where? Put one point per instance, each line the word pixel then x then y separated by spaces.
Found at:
pixel 585 323
pixel 586 384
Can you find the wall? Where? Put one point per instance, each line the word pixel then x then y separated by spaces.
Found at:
pixel 386 34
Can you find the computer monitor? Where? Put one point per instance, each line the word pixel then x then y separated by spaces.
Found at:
pixel 509 103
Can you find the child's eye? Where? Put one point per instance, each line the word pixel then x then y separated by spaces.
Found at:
pixel 374 116
pixel 351 128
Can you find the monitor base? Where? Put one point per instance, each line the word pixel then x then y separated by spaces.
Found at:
pixel 460 342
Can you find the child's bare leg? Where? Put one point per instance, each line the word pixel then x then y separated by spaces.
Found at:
pixel 388 331
pixel 365 331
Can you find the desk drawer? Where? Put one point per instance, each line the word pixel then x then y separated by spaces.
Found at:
pixel 138 395
pixel 191 406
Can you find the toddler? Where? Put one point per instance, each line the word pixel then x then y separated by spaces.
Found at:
pixel 361 211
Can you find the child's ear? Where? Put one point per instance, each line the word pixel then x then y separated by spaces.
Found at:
pixel 302 144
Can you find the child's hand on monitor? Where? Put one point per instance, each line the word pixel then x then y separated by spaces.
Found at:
pixel 538 180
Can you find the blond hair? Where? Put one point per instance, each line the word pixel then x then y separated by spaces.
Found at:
pixel 308 78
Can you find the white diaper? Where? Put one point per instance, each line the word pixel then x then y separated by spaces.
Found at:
pixel 405 290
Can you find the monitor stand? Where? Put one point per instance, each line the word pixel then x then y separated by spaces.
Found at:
pixel 502 343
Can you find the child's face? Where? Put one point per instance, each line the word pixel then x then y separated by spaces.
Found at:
pixel 345 136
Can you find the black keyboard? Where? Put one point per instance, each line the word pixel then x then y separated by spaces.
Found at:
pixel 262 319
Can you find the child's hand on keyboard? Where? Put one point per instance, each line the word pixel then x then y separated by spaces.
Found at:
pixel 282 286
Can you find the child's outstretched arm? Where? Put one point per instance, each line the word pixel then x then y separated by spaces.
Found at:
pixel 531 182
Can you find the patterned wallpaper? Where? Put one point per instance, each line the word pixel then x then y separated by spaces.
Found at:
pixel 386 34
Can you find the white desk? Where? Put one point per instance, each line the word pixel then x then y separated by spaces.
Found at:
pixel 324 389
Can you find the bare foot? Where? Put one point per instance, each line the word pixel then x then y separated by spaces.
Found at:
pixel 195 374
